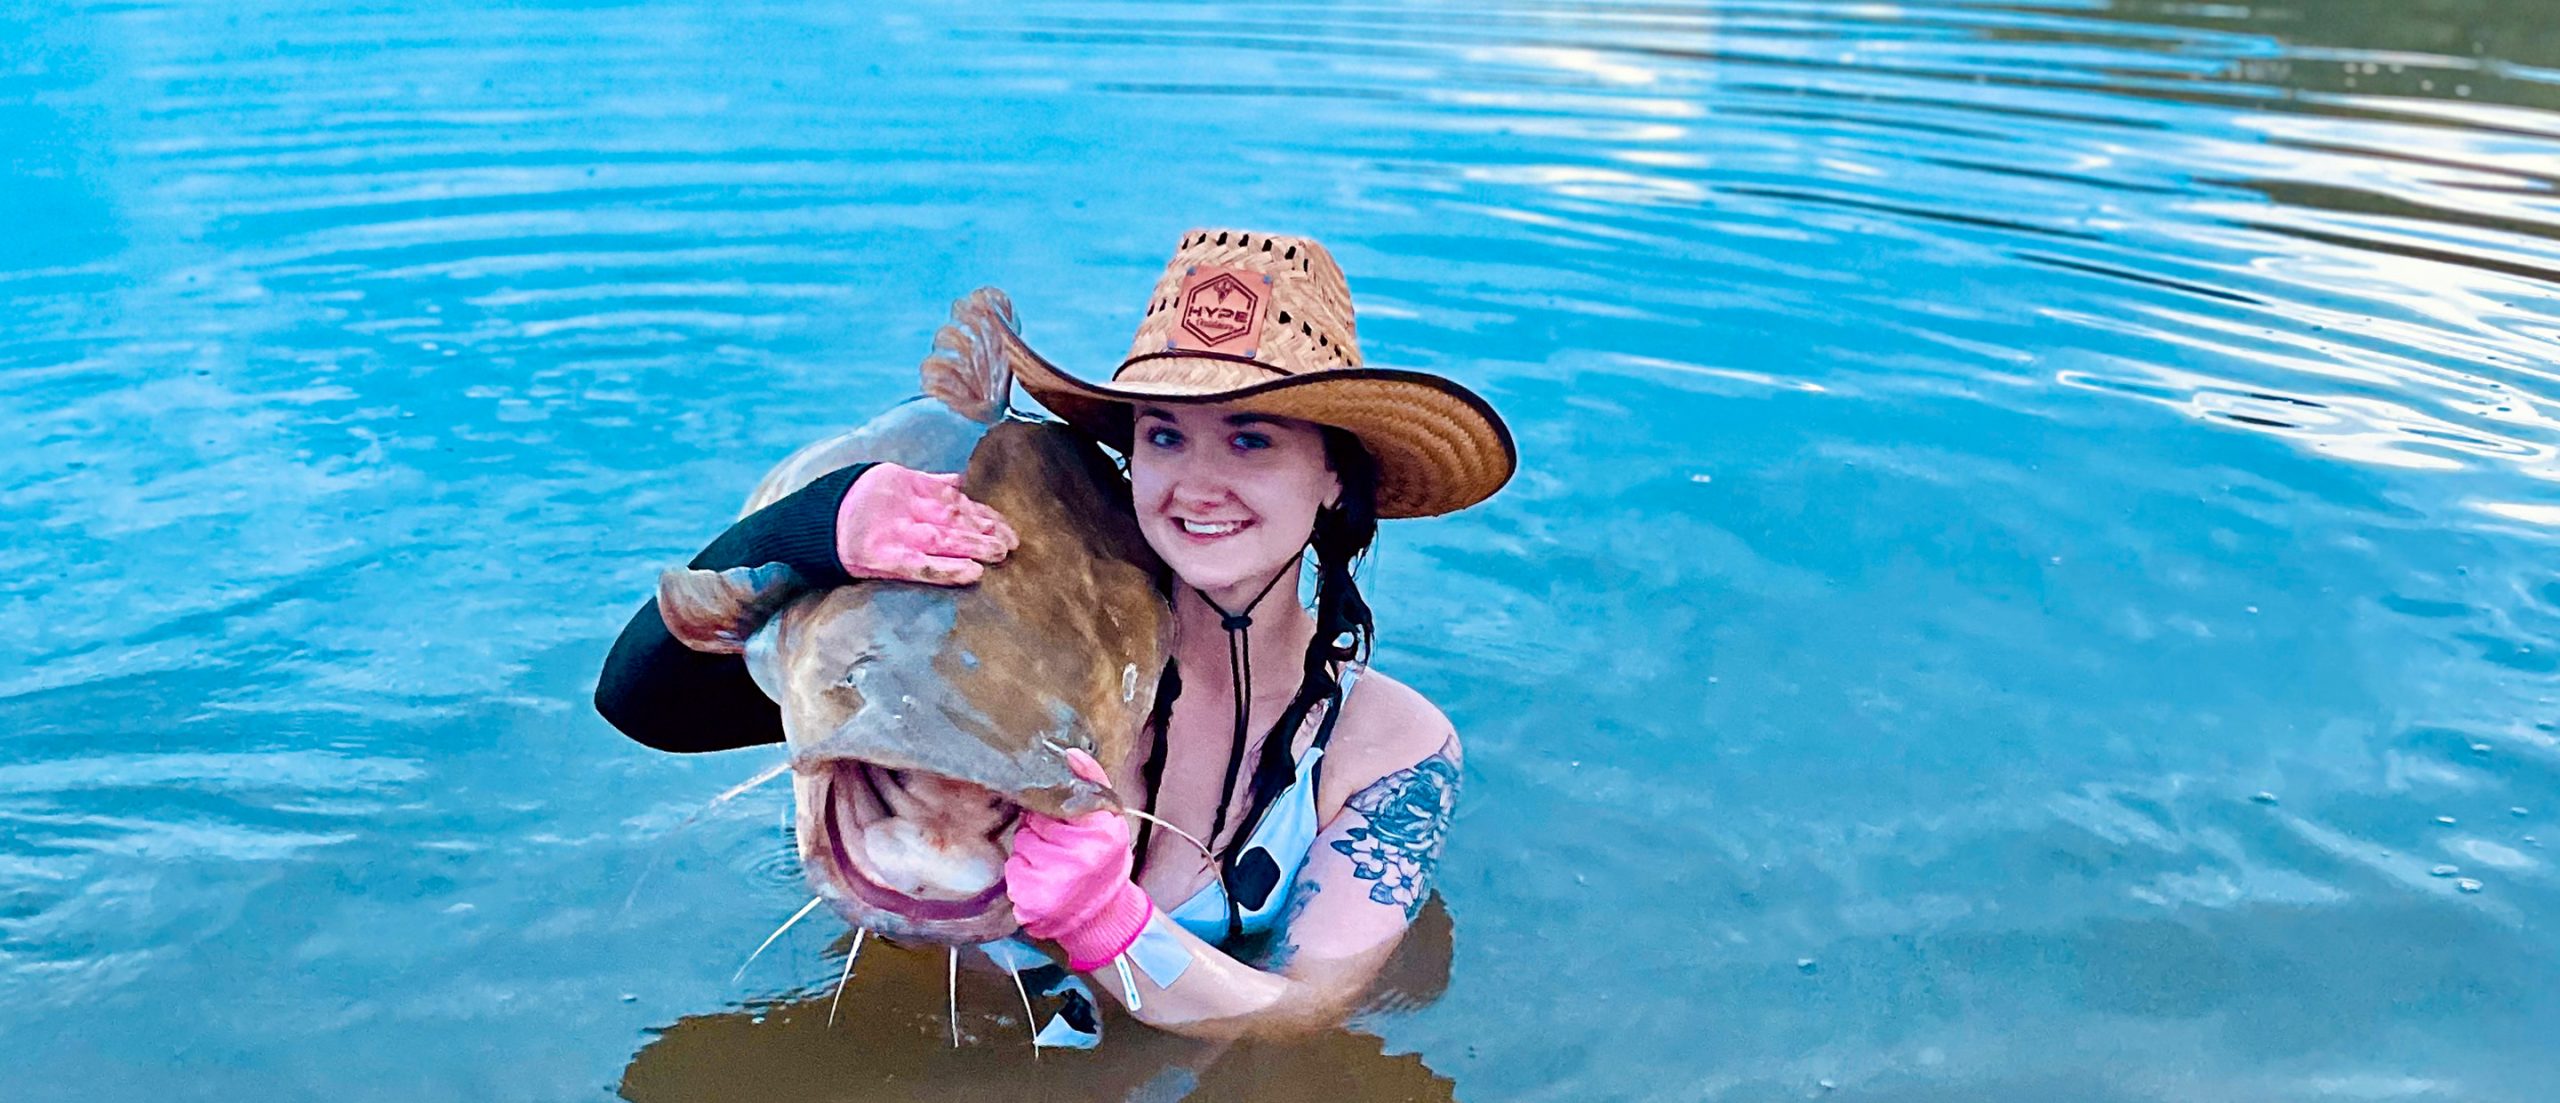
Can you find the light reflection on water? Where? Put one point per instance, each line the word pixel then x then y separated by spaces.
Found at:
pixel 2032 556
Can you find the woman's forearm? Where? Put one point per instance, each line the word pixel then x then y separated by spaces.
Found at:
pixel 1216 996
pixel 798 529
pixel 668 696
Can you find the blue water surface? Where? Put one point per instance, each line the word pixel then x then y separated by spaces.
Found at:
pixel 2031 577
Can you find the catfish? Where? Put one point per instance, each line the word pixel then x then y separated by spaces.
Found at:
pixel 922 720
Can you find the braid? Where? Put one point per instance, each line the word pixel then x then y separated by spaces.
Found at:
pixel 1342 535
pixel 1168 688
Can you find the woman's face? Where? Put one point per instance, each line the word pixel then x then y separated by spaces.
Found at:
pixel 1226 497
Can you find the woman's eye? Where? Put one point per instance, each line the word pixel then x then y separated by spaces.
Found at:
pixel 1252 442
pixel 1163 438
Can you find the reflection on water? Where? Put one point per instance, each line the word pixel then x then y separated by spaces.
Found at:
pixel 2031 577
pixel 891 1040
pixel 790 1049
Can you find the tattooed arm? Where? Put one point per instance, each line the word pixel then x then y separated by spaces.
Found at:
pixel 1365 877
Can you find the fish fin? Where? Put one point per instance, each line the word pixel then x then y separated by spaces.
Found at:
pixel 716 611
pixel 967 368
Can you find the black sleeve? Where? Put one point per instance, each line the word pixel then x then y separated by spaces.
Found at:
pixel 674 698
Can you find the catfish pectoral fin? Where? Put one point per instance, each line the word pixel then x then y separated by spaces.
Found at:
pixel 715 611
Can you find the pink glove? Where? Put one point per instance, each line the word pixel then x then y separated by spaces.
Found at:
pixel 1069 880
pixel 905 524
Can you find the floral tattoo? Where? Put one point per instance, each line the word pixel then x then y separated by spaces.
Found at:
pixel 1408 814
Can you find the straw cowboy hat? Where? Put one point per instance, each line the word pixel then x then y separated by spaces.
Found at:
pixel 1263 322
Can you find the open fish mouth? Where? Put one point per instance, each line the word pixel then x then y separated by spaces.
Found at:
pixel 906 853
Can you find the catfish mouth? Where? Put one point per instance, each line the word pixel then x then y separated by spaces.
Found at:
pixel 906 853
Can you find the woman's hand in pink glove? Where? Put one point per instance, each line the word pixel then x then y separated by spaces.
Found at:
pixel 1069 880
pixel 905 524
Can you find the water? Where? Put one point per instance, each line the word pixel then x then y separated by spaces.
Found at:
pixel 2034 541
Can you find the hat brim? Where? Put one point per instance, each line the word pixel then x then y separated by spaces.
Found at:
pixel 1440 447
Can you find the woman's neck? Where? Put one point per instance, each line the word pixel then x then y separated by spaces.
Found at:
pixel 1277 638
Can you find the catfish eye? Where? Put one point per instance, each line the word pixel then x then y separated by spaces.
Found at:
pixel 853 670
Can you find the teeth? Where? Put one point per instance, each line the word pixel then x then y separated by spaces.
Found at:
pixel 1222 528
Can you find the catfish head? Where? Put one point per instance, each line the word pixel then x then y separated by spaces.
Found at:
pixel 923 720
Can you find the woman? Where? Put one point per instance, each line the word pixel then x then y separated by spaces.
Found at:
pixel 1253 434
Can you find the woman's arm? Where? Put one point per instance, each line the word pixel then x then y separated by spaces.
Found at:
pixel 1365 878
pixel 891 523
pixel 674 698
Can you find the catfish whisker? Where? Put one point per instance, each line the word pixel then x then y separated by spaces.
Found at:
pixel 731 793
pixel 1160 821
pixel 660 852
pixel 1030 1018
pixel 859 933
pixel 797 916
pixel 955 997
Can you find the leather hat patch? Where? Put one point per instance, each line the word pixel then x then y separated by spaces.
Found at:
pixel 1220 310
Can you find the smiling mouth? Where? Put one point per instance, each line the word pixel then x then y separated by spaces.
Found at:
pixel 1210 530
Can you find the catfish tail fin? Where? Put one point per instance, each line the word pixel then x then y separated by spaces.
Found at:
pixel 967 369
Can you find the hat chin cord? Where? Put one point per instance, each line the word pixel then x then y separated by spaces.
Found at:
pixel 1240 671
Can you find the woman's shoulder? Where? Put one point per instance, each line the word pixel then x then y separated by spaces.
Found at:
pixel 1386 726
